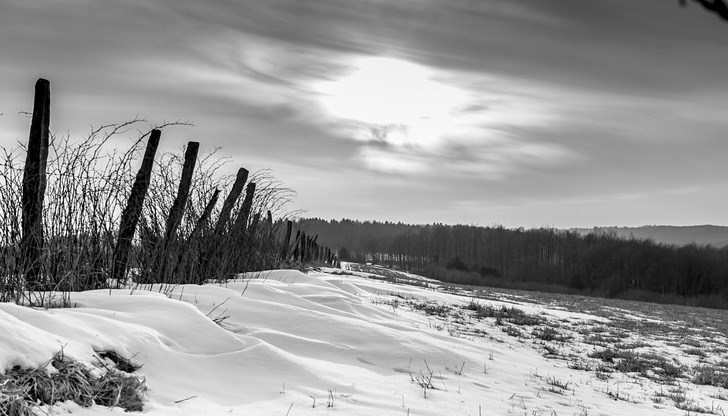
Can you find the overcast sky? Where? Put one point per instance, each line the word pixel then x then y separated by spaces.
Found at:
pixel 559 113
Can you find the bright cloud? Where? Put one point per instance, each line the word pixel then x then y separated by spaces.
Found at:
pixel 420 112
pixel 387 91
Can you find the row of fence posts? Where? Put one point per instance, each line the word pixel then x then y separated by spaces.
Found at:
pixel 303 249
pixel 307 249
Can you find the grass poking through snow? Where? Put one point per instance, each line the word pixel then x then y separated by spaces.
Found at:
pixel 22 390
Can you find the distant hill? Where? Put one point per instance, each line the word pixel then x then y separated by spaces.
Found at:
pixel 714 235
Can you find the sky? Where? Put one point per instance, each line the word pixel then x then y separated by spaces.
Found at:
pixel 522 113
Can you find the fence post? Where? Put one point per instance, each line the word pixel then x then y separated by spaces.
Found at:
pixel 296 250
pixel 286 240
pixel 269 228
pixel 227 206
pixel 313 249
pixel 183 192
pixel 302 250
pixel 175 213
pixel 133 210
pixel 34 183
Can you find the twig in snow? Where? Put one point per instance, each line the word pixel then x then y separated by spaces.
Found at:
pixel 182 400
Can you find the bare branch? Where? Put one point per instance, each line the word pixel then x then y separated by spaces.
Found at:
pixel 718 7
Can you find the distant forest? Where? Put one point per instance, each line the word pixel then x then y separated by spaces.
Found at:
pixel 547 259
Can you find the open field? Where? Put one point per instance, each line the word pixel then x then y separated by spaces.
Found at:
pixel 664 349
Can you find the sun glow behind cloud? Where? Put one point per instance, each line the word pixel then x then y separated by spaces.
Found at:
pixel 412 112
pixel 403 101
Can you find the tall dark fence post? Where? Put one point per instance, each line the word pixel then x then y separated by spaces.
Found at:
pixel 296 250
pixel 286 240
pixel 227 206
pixel 34 183
pixel 306 244
pixel 175 213
pixel 312 249
pixel 302 249
pixel 133 210
pixel 240 243
pixel 183 192
pixel 216 257
pixel 269 226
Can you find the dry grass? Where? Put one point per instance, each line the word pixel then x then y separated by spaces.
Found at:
pixel 22 390
pixel 711 375
pixel 88 185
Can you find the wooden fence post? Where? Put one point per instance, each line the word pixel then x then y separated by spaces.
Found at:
pixel 269 227
pixel 302 250
pixel 216 257
pixel 229 203
pixel 133 210
pixel 296 251
pixel 286 240
pixel 183 192
pixel 34 184
pixel 313 248
pixel 175 212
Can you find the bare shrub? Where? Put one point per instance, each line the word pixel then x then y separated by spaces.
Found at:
pixel 88 185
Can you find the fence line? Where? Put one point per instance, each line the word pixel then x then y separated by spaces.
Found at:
pixel 217 249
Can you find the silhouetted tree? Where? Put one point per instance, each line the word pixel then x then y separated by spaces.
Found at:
pixel 343 254
pixel 456 263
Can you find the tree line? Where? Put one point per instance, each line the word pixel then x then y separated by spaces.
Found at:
pixel 545 258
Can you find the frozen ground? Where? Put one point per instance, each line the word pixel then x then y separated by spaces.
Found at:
pixel 365 343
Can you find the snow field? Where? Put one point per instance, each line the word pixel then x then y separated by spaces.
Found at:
pixel 288 343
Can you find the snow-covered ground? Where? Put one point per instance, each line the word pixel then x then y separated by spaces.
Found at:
pixel 288 343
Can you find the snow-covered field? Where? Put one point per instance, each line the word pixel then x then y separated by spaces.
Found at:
pixel 288 343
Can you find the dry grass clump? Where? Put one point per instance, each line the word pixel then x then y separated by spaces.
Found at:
pixel 513 315
pixel 650 365
pixel 432 308
pixel 711 375
pixel 24 389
